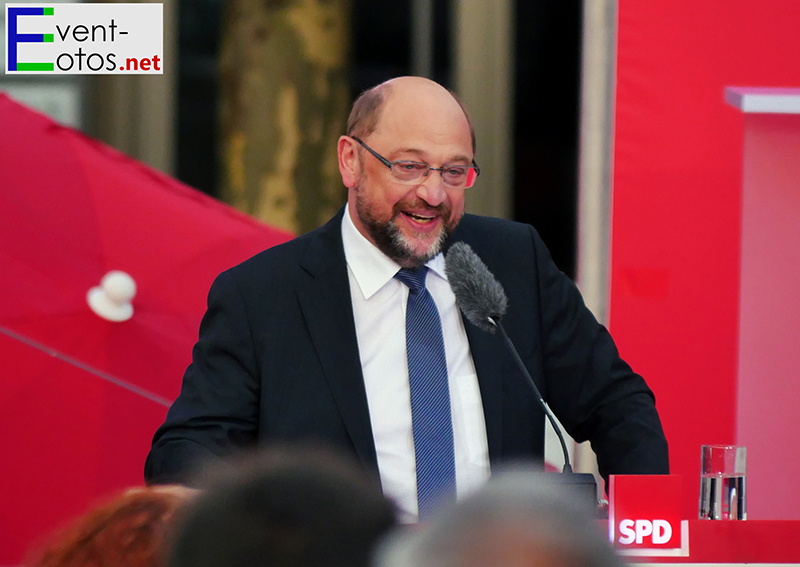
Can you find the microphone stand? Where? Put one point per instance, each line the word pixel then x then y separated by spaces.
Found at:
pixel 584 481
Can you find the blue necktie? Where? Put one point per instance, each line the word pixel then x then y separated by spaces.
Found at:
pixel 430 396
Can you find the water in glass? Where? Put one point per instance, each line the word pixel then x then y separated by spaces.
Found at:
pixel 722 497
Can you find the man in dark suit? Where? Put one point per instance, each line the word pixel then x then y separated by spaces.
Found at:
pixel 307 342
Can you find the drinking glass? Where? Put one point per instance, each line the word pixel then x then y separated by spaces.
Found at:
pixel 723 494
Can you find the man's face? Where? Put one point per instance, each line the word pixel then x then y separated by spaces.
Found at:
pixel 412 231
pixel 410 223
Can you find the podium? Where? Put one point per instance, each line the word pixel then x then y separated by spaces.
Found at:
pixel 645 501
pixel 734 542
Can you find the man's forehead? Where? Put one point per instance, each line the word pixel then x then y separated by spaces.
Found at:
pixel 414 119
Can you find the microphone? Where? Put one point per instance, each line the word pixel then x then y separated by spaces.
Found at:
pixel 478 293
pixel 484 302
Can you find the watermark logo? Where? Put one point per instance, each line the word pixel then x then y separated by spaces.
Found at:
pixel 84 39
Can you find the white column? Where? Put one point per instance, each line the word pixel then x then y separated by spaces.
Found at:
pixel 596 153
pixel 598 71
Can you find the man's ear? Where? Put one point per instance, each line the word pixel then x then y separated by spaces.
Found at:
pixel 349 161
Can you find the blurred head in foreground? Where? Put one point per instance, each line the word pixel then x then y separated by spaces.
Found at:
pixel 129 531
pixel 285 508
pixel 519 519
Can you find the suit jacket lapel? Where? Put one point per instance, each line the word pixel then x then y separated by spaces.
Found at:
pixel 324 298
pixel 489 366
pixel 490 361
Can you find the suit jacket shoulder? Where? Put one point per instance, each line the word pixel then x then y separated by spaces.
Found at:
pixel 572 357
pixel 277 360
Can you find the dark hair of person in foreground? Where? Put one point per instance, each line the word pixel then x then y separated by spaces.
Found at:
pixel 520 518
pixel 129 531
pixel 285 507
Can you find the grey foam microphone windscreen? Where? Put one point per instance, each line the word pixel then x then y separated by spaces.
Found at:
pixel 478 293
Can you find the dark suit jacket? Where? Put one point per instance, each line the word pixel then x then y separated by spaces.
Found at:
pixel 277 360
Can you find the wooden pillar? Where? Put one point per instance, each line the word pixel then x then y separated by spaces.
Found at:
pixel 483 59
pixel 284 103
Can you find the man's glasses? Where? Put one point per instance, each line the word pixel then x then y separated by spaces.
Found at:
pixel 413 172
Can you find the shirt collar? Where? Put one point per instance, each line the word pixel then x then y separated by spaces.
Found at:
pixel 372 268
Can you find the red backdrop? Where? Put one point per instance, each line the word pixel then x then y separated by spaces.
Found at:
pixel 72 209
pixel 677 202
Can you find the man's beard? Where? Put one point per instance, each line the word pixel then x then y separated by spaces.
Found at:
pixel 389 238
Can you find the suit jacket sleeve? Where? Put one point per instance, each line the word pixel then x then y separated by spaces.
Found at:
pixel 218 407
pixel 595 394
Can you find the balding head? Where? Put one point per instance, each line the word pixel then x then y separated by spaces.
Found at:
pixel 366 112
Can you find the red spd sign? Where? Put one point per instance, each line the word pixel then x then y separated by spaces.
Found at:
pixel 644 515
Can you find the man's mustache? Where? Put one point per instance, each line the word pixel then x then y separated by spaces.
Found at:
pixel 442 209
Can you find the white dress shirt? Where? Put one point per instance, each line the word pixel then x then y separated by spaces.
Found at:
pixel 379 307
